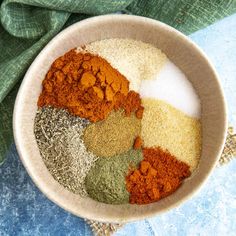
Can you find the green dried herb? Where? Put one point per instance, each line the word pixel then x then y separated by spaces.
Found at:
pixel 105 182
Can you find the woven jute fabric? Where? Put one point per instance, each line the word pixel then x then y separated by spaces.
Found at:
pixel 229 152
pixel 103 229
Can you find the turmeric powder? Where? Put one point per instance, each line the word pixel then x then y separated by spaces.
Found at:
pixel 88 86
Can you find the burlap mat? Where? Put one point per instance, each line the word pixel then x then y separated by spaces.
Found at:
pixel 229 152
pixel 103 229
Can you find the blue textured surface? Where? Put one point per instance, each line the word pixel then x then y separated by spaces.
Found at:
pixel 24 210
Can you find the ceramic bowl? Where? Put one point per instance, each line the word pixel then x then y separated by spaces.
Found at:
pixel 182 51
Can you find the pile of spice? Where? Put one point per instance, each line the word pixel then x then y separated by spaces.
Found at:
pixel 58 136
pixel 112 136
pixel 158 175
pixel 105 181
pixel 172 86
pixel 88 87
pixel 100 139
pixel 168 128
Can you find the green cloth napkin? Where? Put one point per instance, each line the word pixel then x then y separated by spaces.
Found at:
pixel 27 25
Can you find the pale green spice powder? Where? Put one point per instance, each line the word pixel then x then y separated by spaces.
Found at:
pixel 105 182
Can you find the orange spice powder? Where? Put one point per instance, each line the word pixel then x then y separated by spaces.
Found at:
pixel 137 143
pixel 158 175
pixel 88 86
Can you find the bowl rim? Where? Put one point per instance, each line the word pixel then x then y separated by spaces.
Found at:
pixel 107 18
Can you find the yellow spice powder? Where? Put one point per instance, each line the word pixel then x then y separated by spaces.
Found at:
pixel 169 128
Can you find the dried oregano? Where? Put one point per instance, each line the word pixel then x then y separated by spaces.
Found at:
pixel 58 135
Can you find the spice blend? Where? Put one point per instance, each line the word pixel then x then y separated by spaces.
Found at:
pixel 105 182
pixel 166 127
pixel 100 139
pixel 158 175
pixel 88 87
pixel 58 135
pixel 112 136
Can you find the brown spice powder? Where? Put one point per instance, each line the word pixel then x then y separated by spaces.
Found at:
pixel 112 136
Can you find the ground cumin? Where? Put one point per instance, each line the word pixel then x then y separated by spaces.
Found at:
pixel 88 86
pixel 112 136
pixel 158 175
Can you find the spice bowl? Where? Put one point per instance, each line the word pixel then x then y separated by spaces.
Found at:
pixel 180 50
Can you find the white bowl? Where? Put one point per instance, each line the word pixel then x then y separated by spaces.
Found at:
pixel 183 52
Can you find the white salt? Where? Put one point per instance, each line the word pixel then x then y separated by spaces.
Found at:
pixel 172 86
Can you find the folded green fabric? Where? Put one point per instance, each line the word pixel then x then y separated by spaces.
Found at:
pixel 27 25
